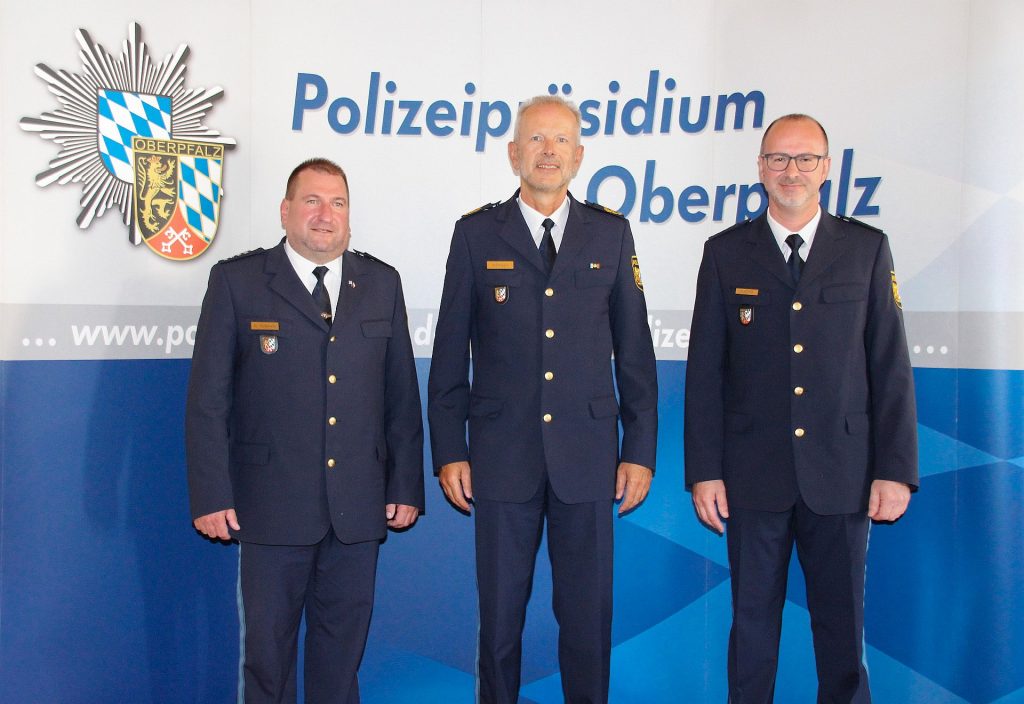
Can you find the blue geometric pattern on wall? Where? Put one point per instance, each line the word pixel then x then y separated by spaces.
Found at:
pixel 138 608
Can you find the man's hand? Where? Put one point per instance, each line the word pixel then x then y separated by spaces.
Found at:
pixel 401 516
pixel 710 503
pixel 888 500
pixel 215 525
pixel 632 482
pixel 455 479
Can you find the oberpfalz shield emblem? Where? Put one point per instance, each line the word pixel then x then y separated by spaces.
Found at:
pixel 500 294
pixel 746 315
pixel 177 195
pixel 268 343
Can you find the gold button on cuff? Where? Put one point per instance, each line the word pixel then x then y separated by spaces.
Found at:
pixel 549 333
pixel 549 375
pixel 799 432
pixel 332 378
pixel 330 463
pixel 549 292
pixel 547 417
pixel 799 391
pixel 797 305
pixel 332 420
pixel 798 348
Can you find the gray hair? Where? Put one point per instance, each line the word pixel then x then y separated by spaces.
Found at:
pixel 549 100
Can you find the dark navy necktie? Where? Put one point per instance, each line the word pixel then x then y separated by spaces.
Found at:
pixel 796 264
pixel 547 245
pixel 320 294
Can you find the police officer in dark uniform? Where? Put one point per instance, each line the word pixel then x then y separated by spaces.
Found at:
pixel 800 419
pixel 304 437
pixel 540 292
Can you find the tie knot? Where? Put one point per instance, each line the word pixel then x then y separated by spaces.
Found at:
pixel 548 224
pixel 795 242
pixel 320 272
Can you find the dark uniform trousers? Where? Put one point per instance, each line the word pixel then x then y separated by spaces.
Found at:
pixel 832 551
pixel 580 549
pixel 333 582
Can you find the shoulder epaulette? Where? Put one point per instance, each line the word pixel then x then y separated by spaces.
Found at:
pixel 243 255
pixel 732 227
pixel 854 221
pixel 601 208
pixel 372 258
pixel 482 208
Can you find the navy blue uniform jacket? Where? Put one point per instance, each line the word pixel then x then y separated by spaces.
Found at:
pixel 542 347
pixel 828 358
pixel 276 396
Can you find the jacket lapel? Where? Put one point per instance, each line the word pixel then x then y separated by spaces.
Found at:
pixel 516 233
pixel 764 250
pixel 353 286
pixel 573 238
pixel 829 244
pixel 285 282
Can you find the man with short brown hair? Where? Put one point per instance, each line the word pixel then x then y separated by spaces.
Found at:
pixel 304 438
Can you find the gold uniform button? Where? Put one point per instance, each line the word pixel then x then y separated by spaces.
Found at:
pixel 797 305
pixel 547 417
pixel 799 391
pixel 332 378
pixel 332 420
pixel 333 338
pixel 798 348
pixel 549 376
pixel 799 432
pixel 549 333
pixel 330 463
pixel 549 292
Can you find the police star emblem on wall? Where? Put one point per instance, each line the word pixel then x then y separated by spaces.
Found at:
pixel 132 135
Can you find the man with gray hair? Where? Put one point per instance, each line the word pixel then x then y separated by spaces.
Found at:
pixel 540 291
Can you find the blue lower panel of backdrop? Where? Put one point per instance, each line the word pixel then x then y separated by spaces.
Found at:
pixel 107 595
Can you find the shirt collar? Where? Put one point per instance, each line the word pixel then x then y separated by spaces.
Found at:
pixel 534 221
pixel 304 268
pixel 806 232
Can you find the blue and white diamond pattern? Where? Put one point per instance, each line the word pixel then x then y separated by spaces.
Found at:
pixel 199 193
pixel 123 115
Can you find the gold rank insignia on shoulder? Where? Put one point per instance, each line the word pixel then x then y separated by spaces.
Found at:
pixel 747 291
pixel 500 294
pixel 746 315
pixel 264 325
pixel 504 264
pixel 896 291
pixel 636 273
pixel 603 209
pixel 269 344
pixel 482 208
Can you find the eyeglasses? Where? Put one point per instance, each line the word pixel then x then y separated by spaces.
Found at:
pixel 804 162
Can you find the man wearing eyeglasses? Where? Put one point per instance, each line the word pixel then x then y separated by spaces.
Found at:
pixel 800 419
